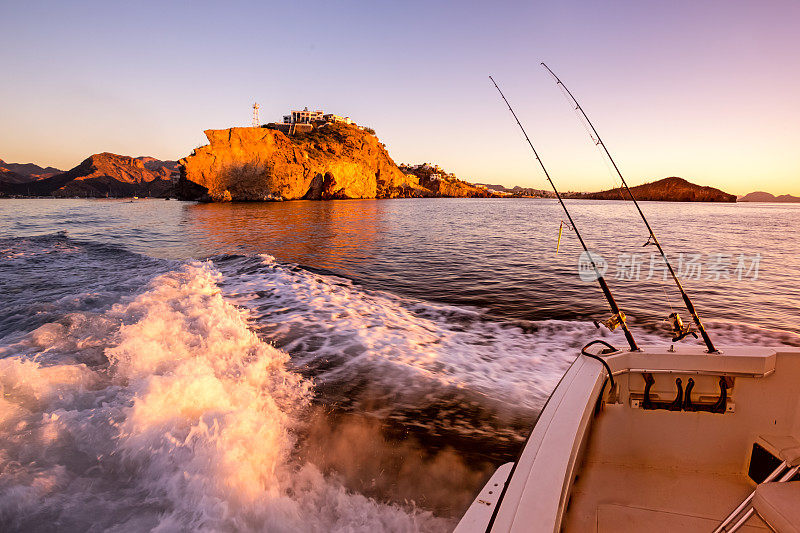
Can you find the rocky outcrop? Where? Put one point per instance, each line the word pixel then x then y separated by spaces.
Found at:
pixel 760 196
pixel 253 164
pixel 668 190
pixel 456 189
pixel 444 184
pixel 103 175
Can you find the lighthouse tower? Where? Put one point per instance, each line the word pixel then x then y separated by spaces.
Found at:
pixel 256 122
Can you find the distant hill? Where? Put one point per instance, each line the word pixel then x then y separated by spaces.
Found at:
pixel 671 189
pixel 24 172
pixel 760 196
pixel 518 191
pixel 102 175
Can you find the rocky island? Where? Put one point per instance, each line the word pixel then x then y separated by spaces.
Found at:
pixel 332 160
pixel 671 189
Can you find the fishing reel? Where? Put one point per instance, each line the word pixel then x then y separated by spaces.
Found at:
pixel 679 330
pixel 612 323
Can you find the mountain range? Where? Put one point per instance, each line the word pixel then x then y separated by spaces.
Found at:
pixel 112 175
pixel 24 172
pixel 98 176
pixel 760 196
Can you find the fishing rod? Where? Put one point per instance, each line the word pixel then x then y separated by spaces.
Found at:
pixel 678 328
pixel 618 317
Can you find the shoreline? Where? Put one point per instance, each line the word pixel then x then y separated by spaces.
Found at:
pixel 174 199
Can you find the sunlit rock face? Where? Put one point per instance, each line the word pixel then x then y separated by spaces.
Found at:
pixel 255 164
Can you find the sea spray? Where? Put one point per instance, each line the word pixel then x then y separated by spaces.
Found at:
pixel 364 454
pixel 189 425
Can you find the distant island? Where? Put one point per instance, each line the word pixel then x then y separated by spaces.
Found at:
pixel 671 189
pixel 760 196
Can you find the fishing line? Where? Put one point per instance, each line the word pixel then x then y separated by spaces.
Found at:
pixel 586 126
pixel 618 318
pixel 686 300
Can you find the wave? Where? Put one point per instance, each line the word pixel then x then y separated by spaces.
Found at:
pixel 44 277
pixel 246 394
pixel 335 328
pixel 184 420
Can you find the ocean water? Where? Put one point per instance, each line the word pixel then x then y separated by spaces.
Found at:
pixel 326 366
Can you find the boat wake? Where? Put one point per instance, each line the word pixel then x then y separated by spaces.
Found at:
pixel 244 394
pixel 168 413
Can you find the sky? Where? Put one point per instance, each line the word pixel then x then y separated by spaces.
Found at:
pixel 705 90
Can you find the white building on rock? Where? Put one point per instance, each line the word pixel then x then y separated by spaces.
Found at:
pixel 309 117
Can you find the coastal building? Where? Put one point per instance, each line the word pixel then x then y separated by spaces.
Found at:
pixel 303 117
pixel 330 117
pixel 310 117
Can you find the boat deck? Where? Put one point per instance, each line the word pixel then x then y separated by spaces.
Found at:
pixel 620 498
pixel 615 465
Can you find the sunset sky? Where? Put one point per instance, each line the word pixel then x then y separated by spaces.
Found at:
pixel 705 90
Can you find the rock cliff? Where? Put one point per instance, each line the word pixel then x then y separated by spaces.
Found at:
pixel 333 161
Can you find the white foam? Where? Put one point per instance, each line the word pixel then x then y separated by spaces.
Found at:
pixel 189 425
pixel 412 350
pixel 738 334
pixel 409 346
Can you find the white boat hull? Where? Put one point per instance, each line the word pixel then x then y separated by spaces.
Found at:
pixel 607 463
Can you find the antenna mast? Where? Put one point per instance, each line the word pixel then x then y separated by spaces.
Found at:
pixel 599 141
pixel 619 316
pixel 256 122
